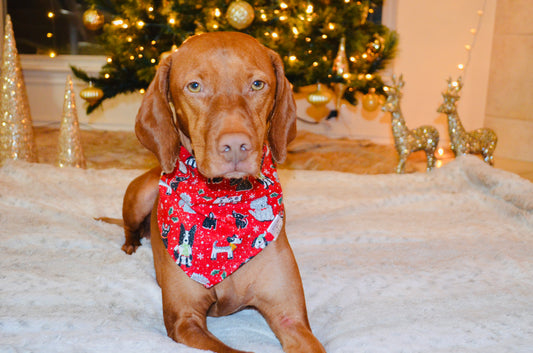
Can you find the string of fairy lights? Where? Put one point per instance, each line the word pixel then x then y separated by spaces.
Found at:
pixel 470 46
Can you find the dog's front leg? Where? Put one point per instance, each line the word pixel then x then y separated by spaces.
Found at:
pixel 279 297
pixel 185 306
pixel 185 302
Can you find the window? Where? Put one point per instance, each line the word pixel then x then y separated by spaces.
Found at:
pixel 51 26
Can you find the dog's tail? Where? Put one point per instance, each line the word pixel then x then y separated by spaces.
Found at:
pixel 117 221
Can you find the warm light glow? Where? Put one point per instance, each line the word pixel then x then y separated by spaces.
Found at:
pixel 141 48
pixel 106 75
pixel 49 35
pixel 263 17
pixel 315 64
pixel 215 26
pixel 274 35
pixel 473 30
pixel 283 18
pixel 455 84
pixel 307 39
pixel 153 42
pixel 480 12
pixel 325 58
pixel 125 25
pixel 141 91
pixel 52 54
pixel 346 75
pixel 460 67
pixel 440 151
pixel 153 61
pixel 51 15
pixel 109 60
pixel 150 9
pixel 283 6
pixel 364 55
pixel 140 24
pixel 331 26
pixel 309 9
pixel 468 47
pixel 295 31
pixel 368 76
pixel 171 20
pixel 140 56
pixel 117 22
pixel 353 59
pixel 132 57
pixel 129 39
pixel 438 164
pixel 324 36
pixel 292 58
pixel 217 12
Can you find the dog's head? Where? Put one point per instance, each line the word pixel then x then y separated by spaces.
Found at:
pixel 227 95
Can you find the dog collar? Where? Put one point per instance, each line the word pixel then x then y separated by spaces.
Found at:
pixel 211 227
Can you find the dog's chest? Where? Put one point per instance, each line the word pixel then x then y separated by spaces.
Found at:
pixel 213 227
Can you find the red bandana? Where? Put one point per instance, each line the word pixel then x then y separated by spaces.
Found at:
pixel 211 227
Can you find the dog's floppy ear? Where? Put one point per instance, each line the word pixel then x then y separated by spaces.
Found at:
pixel 154 125
pixel 283 116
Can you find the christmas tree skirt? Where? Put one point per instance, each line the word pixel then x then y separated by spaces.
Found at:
pixel 422 262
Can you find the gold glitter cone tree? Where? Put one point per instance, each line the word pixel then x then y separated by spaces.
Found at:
pixel 16 129
pixel 70 152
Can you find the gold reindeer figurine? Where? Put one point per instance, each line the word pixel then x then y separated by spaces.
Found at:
pixel 481 141
pixel 406 141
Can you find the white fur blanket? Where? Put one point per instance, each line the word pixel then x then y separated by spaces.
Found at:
pixel 436 262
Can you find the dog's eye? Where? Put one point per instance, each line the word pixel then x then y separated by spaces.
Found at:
pixel 258 85
pixel 194 87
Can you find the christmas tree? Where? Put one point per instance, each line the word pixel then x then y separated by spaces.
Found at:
pixel 306 33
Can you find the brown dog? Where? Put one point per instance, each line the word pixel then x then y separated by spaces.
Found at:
pixel 222 96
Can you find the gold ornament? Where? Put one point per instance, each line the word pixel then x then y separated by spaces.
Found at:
pixel 340 69
pixel 93 19
pixel 16 129
pixel 424 138
pixel 340 64
pixel 70 152
pixel 371 100
pixel 319 97
pixel 240 14
pixel 91 94
pixel 481 141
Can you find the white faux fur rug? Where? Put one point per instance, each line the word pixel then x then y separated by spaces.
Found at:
pixel 438 262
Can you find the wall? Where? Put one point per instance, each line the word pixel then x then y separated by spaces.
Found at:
pixel 45 80
pixel 510 93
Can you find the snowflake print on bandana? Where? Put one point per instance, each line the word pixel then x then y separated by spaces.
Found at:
pixel 211 227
